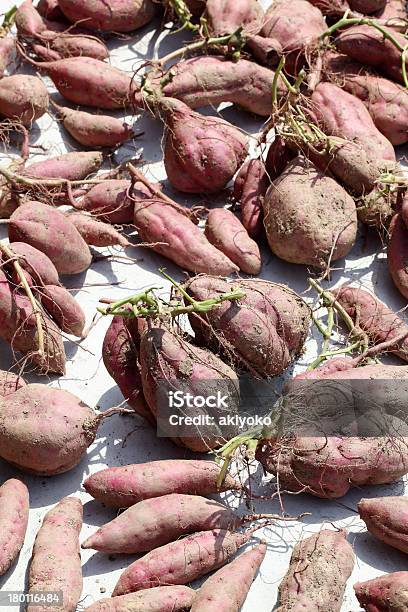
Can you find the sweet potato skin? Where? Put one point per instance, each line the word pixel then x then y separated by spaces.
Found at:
pixel 250 186
pixel 323 227
pixel 95 232
pixel 56 562
pixel 10 382
pixel 118 16
pixel 384 593
pixel 227 234
pixel 70 166
pixel 387 519
pixel 121 487
pixel 23 98
pixel 397 254
pixel 7 47
pixel 109 202
pixel 64 309
pixel 29 22
pixel 14 510
pixel 159 599
pixel 92 130
pixel 226 16
pixel 37 264
pixel 319 569
pixel 227 589
pixel 367 7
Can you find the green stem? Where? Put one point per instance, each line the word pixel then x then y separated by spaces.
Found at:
pixel 275 82
pixel 184 15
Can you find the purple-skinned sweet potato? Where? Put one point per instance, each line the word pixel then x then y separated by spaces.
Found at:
pixel 367 7
pixel 63 308
pixel 70 166
pixel 404 211
pixel 387 519
pixel 182 561
pixel 23 98
pixel 332 8
pixel 109 201
pixel 10 382
pixel 120 353
pixel 117 16
pixel 309 218
pixel 14 510
pixel 226 16
pixel 176 598
pixel 201 153
pixel 37 264
pixel 49 9
pixel 28 20
pixel 397 254
pixel 175 236
pixel 121 487
pixel 319 569
pixel 7 47
pixel 227 589
pixel 49 231
pixel 95 232
pixel 278 157
pixel 394 15
pixel 56 561
pixel 56 46
pixel 264 331
pixel 224 230
pixel 250 186
pixel 384 594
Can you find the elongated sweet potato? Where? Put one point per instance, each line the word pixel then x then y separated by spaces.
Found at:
pixel 387 519
pixel 95 232
pixel 7 47
pixel 160 599
pixel 62 45
pixel 120 352
pixel 394 15
pixel 37 264
pixel 64 309
pixel 227 233
pixel 23 98
pixel 93 130
pixel 384 594
pixel 29 22
pixel 227 589
pixel 177 238
pixel 56 562
pixel 264 331
pixel 154 522
pixel 121 487
pixel 117 16
pixel 182 561
pixel 226 16
pixel 50 10
pixel 14 509
pixel 319 569
pixel 71 166
pixel 10 382
pixel 397 254
pixel 250 186
pixel 201 154
pixel 309 218
pixel 49 231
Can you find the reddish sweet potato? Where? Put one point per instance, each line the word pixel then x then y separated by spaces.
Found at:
pixel 264 331
pixel 10 382
pixel 97 233
pixel 93 130
pixel 342 114
pixel 14 509
pixel 56 562
pixel 201 154
pixel 64 309
pixel 367 7
pixel 367 45
pixel 121 487
pixel 226 232
pixel 109 200
pixel 387 519
pixel 374 317
pixel 404 211
pixel 23 98
pixel 49 231
pixel 120 352
pixel 50 10
pixel 37 264
pixel 250 187
pixel 397 254
pixel 29 22
pixel 59 46
pixel 177 238
pixel 278 157
pixel 160 599
pixel 7 47
pixel 182 561
pixel 332 8
pixel 227 589
pixel 117 16
pixel 394 15
pixel 384 594
pixel 319 569
pixel 154 522
pixel 70 166
pixel 309 218
pixel 226 16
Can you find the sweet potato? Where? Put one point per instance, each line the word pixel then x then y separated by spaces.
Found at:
pixel 250 186
pixel 29 22
pixel 64 309
pixel 210 80
pixel 384 593
pixel 342 114
pixel 182 561
pixel 93 130
pixel 59 46
pixel 404 211
pixel 374 317
pixel 7 47
pixel 109 200
pixel 176 237
pixel 23 98
pixel 117 16
pixel 56 562
pixel 70 166
pixel 319 569
pixel 97 233
pixel 226 16
pixel 14 509
pixel 397 254
pixel 160 599
pixel 368 45
pixel 168 359
pixel 376 209
pixel 331 8
pixel 37 264
pixel 49 9
pixel 10 382
pixel 121 487
pixel 227 589
pixel 387 519
pixel 201 154
pixel 278 157
pixel 394 15
pixel 154 522
pixel 227 233
pixel 120 353
pixel 367 7
pixel 309 219
pixel 264 331
pixel 49 231
pixel 45 431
